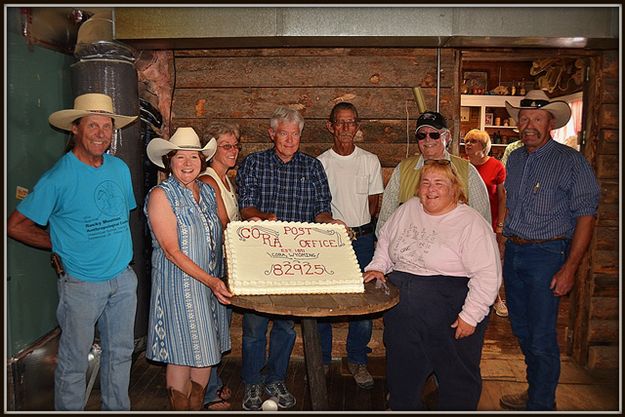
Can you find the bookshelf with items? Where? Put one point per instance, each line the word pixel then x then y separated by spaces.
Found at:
pixel 488 112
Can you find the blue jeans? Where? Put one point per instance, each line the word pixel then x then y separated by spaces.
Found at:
pixel 359 333
pixel 533 313
pixel 112 306
pixel 215 383
pixel 281 341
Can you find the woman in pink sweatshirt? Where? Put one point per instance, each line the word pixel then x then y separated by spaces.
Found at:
pixel 443 257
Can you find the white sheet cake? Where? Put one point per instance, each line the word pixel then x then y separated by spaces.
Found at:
pixel 276 257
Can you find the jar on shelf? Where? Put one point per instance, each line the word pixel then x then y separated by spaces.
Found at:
pixel 522 88
pixel 464 88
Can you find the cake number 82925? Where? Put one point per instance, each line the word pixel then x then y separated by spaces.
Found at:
pixel 297 268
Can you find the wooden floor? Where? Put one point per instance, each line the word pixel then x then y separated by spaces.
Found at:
pixel 503 371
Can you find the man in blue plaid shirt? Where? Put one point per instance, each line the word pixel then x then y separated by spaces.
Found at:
pixel 285 184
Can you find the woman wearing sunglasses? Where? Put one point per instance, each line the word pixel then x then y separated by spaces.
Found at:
pixel 443 257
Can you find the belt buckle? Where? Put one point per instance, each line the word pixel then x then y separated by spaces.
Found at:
pixel 520 241
pixel 361 232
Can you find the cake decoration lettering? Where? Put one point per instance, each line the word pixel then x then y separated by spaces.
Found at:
pixel 277 257
pixel 267 236
pixel 290 269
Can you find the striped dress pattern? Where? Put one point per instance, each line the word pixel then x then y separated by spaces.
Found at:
pixel 187 324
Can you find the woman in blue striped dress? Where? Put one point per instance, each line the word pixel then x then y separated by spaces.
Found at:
pixel 188 326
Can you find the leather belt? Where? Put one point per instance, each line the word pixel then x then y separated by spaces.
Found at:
pixel 521 241
pixel 362 230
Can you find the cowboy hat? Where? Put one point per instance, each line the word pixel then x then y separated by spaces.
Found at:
pixel 85 105
pixel 537 99
pixel 184 139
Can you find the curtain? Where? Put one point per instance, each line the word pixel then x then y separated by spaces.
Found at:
pixel 569 134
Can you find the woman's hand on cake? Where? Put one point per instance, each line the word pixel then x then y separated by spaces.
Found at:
pixel 219 290
pixel 371 275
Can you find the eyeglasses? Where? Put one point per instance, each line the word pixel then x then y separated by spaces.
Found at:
pixel 528 102
pixel 432 135
pixel 443 162
pixel 345 123
pixel 229 146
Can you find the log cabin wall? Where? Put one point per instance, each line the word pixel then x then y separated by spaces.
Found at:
pixel 596 328
pixel 245 86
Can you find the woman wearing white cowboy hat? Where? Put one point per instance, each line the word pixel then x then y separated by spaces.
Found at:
pixel 188 326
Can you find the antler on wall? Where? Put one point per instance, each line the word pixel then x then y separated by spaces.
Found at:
pixel 559 73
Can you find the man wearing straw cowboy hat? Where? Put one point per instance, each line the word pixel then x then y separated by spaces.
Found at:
pixel 552 199
pixel 86 198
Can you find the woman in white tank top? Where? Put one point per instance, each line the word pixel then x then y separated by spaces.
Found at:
pixel 216 175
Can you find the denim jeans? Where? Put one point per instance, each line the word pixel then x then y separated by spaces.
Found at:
pixel 359 332
pixel 533 313
pixel 215 383
pixel 256 369
pixel 112 306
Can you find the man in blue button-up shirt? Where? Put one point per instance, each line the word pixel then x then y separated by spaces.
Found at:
pixel 552 200
pixel 285 184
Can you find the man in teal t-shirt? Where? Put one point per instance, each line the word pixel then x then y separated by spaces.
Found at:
pixel 86 198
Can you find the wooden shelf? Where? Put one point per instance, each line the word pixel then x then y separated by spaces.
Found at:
pixel 470 100
pixel 476 107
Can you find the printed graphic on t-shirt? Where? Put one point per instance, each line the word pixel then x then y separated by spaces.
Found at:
pixel 112 219
pixel 414 245
pixel 109 198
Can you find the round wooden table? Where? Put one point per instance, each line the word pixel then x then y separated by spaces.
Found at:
pixel 311 306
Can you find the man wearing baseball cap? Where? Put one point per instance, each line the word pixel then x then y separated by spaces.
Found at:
pixel 86 198
pixel 433 137
pixel 552 197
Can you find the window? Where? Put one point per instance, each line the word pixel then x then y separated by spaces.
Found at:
pixel 570 134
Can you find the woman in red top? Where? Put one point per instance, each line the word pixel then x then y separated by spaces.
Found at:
pixel 477 147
